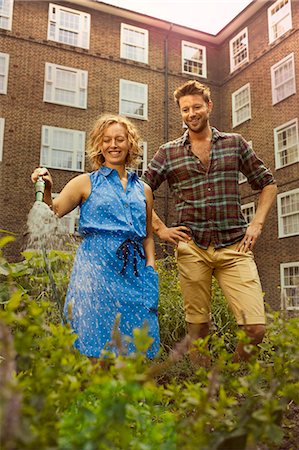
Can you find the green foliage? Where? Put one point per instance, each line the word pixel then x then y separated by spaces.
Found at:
pixel 171 308
pixel 59 399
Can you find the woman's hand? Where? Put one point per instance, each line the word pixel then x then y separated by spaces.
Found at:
pixel 45 174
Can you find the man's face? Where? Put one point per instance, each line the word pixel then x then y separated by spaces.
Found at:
pixel 195 112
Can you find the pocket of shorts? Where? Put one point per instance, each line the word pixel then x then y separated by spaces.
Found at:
pixel 182 247
pixel 249 272
pixel 150 288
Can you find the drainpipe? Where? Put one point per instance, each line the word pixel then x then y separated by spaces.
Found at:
pixel 166 124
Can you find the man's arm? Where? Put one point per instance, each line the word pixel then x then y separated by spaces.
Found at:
pixel 254 229
pixel 169 234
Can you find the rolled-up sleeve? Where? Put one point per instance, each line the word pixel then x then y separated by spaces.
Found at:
pixel 258 175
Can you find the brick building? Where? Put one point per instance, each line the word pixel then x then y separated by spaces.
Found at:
pixel 62 64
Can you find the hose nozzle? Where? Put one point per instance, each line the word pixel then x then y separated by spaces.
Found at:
pixel 39 189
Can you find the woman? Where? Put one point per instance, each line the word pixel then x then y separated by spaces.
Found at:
pixel 113 281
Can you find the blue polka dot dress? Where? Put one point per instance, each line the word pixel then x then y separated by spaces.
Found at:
pixel 109 276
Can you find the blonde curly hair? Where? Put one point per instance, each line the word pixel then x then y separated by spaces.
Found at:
pixel 96 135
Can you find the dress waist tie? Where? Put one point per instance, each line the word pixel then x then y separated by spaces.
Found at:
pixel 123 253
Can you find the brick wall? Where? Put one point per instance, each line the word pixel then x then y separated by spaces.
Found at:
pixel 25 111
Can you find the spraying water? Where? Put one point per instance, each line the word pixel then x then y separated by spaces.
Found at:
pixel 43 236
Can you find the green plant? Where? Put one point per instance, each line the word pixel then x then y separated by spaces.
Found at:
pixel 60 400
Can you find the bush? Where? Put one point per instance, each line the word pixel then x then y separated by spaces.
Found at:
pixel 58 399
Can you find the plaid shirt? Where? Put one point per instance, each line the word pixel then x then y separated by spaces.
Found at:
pixel 208 200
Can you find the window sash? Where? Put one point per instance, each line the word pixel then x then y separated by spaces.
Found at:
pixel 68 26
pixel 194 59
pixel 283 79
pixel 133 99
pixel 6 11
pixel 279 19
pixel 65 86
pixel 62 148
pixel 289 281
pixel 68 224
pixel 134 43
pixel 239 50
pixel 241 105
pixel 248 211
pixel 4 64
pixel 286 144
pixel 142 164
pixel 288 213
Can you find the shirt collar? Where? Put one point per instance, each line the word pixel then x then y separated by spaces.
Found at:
pixel 216 134
pixel 106 171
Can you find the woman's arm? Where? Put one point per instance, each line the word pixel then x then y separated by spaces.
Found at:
pixel 148 243
pixel 73 194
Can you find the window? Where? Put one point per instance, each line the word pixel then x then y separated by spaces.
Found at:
pixel 279 19
pixel 241 105
pixel 2 123
pixel 4 62
pixel 288 213
pixel 194 59
pixel 62 148
pixel 65 86
pixel 289 282
pixel 238 49
pixel 242 178
pixel 134 43
pixel 68 224
pixel 283 79
pixel 286 144
pixel 68 26
pixel 6 8
pixel 133 99
pixel 248 211
pixel 140 168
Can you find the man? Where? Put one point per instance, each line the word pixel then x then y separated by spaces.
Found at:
pixel 212 237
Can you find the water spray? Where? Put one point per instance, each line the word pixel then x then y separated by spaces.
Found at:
pixel 42 226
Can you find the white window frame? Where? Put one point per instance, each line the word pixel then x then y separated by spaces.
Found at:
pixel 51 85
pixel 236 52
pixel 290 80
pixel 125 45
pixel 6 12
pixel 279 149
pixel 279 19
pixel 2 126
pixel 235 110
pixel 140 168
pixel 123 84
pixel 248 206
pixel 242 178
pixel 68 224
pixel 283 286
pixel 4 75
pixel 203 62
pixel 47 145
pixel 56 26
pixel 281 217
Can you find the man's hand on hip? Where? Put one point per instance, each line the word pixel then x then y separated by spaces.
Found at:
pixel 174 234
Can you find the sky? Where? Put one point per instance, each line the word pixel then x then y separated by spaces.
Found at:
pixel 209 16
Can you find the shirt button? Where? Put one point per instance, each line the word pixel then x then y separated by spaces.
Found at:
pixel 126 205
pixel 209 189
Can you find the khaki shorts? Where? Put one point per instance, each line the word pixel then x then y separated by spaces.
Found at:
pixel 236 273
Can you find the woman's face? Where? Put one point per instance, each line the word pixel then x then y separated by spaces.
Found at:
pixel 115 146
